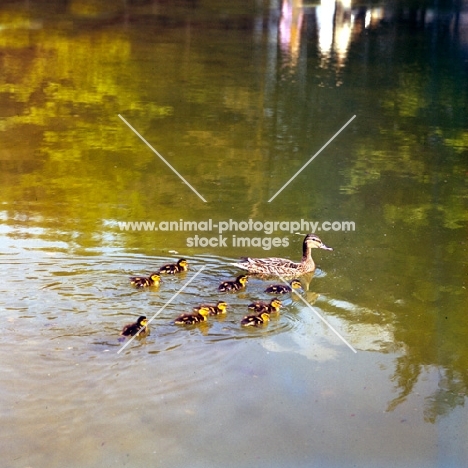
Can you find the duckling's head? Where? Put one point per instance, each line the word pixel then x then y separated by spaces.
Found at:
pixel 276 303
pixel 142 321
pixel 182 263
pixel 205 311
pixel 295 284
pixel 222 306
pixel 313 242
pixel 265 317
pixel 155 277
pixel 242 279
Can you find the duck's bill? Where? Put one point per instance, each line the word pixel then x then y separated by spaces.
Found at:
pixel 324 247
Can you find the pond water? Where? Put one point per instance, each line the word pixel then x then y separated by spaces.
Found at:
pixel 227 130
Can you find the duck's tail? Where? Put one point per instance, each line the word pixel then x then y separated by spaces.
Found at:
pixel 242 264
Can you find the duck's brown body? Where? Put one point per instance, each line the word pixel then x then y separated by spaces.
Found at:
pixel 214 309
pixel 255 320
pixel 273 307
pixel 174 268
pixel 283 288
pixel 139 328
pixel 239 283
pixel 145 281
pixel 282 267
pixel 192 318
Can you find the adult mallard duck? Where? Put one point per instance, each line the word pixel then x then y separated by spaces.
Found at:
pixel 281 266
pixel 283 288
pixel 145 281
pixel 255 320
pixel 139 328
pixel 195 317
pixel 239 283
pixel 173 268
pixel 218 309
pixel 273 307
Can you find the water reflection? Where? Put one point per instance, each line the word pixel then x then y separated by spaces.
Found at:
pixel 335 23
pixel 339 22
pixel 290 26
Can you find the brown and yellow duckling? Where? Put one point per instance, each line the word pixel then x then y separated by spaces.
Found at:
pixel 139 328
pixel 174 268
pixel 239 283
pixel 255 320
pixel 273 307
pixel 195 317
pixel 283 288
pixel 145 281
pixel 218 309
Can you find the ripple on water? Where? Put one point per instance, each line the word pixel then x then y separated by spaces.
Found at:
pixel 64 329
pixel 91 297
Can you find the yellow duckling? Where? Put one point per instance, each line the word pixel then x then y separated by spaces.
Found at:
pixel 139 328
pixel 218 309
pixel 145 281
pixel 173 268
pixel 239 283
pixel 273 307
pixel 283 288
pixel 196 317
pixel 255 320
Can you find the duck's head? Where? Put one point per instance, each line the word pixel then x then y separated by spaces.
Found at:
pixel 242 279
pixel 142 321
pixel 295 284
pixel 222 306
pixel 313 242
pixel 276 303
pixel 183 264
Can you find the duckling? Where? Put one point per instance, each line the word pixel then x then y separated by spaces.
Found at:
pixel 218 309
pixel 255 320
pixel 139 328
pixel 239 283
pixel 283 288
pixel 173 268
pixel 281 266
pixel 195 317
pixel 143 281
pixel 273 307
